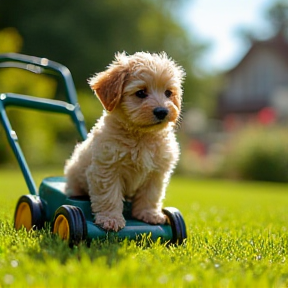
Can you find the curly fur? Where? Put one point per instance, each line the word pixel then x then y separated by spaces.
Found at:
pixel 131 151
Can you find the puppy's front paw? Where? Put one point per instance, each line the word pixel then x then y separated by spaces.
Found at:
pixel 150 216
pixel 110 221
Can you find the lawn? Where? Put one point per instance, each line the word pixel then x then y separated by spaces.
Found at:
pixel 237 237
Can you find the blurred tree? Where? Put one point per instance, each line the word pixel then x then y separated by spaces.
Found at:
pixel 84 35
pixel 277 15
pixel 11 40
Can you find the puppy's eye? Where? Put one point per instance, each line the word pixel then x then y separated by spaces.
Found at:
pixel 141 94
pixel 168 93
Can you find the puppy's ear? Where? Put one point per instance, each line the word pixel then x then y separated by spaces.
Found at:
pixel 108 85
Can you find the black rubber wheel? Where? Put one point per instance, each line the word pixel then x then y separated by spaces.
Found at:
pixel 70 224
pixel 29 213
pixel 177 224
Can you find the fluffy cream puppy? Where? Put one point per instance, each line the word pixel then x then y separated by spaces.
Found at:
pixel 132 150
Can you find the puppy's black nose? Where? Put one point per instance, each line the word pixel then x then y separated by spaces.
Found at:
pixel 160 113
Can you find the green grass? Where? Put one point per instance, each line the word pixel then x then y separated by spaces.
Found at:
pixel 237 237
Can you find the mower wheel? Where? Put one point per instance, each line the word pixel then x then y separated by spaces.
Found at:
pixel 70 224
pixel 177 224
pixel 29 213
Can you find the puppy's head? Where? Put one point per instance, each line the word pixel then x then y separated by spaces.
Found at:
pixel 142 89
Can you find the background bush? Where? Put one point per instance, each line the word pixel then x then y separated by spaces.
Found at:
pixel 258 153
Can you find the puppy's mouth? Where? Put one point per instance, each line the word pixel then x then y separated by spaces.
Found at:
pixel 159 122
pixel 156 123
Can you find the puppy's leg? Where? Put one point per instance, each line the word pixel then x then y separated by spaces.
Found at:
pixel 147 203
pixel 105 191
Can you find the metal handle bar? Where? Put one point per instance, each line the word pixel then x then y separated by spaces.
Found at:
pixel 10 99
pixel 71 107
pixel 41 66
pixel 48 67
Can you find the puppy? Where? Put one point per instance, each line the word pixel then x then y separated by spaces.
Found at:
pixel 132 150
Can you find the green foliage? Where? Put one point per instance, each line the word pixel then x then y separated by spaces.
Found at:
pixel 103 27
pixel 237 237
pixel 259 153
pixel 277 15
pixel 84 36
pixel 11 41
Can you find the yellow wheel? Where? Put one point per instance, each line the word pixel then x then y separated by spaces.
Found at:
pixel 70 224
pixel 23 217
pixel 28 213
pixel 61 227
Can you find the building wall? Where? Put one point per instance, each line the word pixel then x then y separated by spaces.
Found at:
pixel 254 82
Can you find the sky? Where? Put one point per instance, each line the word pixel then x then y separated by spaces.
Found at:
pixel 217 22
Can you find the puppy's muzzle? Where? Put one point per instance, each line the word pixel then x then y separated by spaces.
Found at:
pixel 160 113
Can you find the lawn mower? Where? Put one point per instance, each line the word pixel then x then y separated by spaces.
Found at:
pixel 69 217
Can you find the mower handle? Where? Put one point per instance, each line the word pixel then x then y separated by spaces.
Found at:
pixel 44 66
pixel 41 66
pixel 11 99
pixel 71 107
